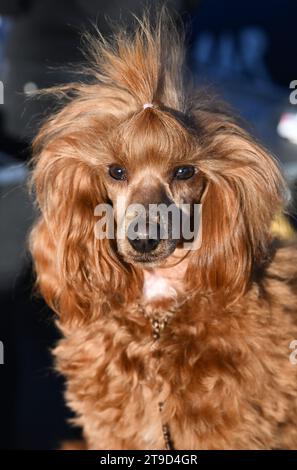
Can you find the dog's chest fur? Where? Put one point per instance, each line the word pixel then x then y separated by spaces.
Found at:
pixel 163 283
pixel 156 287
pixel 208 366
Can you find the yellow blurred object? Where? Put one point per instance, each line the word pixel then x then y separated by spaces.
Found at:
pixel 281 228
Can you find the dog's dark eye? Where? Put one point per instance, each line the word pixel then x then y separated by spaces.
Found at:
pixel 183 172
pixel 117 172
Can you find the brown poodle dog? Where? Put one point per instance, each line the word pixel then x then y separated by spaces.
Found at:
pixel 164 346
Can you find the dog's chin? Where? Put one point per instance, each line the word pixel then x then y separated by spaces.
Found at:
pixel 147 262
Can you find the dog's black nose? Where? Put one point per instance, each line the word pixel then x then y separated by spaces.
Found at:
pixel 144 245
pixel 145 242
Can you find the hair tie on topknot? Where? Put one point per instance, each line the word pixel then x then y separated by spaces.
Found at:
pixel 148 105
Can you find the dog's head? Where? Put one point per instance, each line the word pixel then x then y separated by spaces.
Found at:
pixel 133 138
pixel 152 182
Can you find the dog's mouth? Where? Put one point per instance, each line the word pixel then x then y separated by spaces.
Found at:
pixel 149 257
pixel 149 238
pixel 153 259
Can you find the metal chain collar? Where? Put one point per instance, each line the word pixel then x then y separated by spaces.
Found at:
pixel 158 327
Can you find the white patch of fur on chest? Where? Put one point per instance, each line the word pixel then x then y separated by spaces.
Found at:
pixel 157 287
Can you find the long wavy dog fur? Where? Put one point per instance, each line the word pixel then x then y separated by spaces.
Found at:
pixel 217 374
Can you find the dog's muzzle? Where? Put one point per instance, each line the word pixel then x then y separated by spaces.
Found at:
pixel 147 240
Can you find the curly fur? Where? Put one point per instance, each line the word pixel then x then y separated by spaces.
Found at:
pixel 221 366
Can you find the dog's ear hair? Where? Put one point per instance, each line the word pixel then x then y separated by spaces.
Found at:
pixel 125 72
pixel 245 191
pixel 71 263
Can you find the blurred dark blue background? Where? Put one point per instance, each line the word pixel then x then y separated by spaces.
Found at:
pixel 245 51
